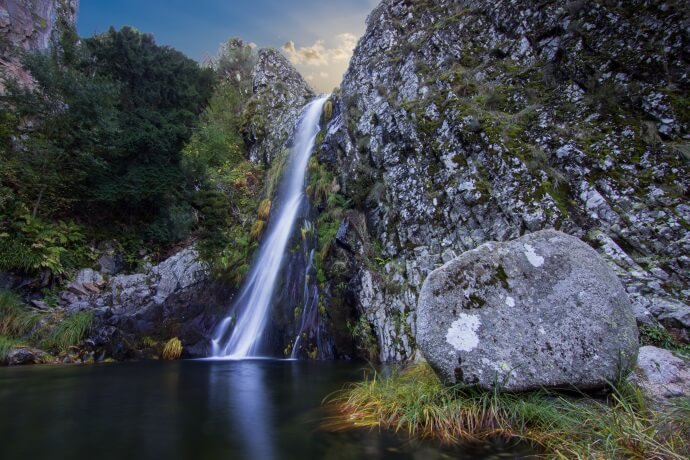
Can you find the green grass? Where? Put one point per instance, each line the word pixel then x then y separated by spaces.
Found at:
pixel 69 332
pixel 6 345
pixel 558 426
pixel 15 319
pixel 660 337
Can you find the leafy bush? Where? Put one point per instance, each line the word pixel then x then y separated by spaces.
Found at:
pixel 29 244
pixel 97 141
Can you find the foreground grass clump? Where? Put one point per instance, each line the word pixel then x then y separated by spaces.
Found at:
pixel 69 332
pixel 559 426
pixel 172 349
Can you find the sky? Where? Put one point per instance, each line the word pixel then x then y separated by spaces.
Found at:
pixel 316 35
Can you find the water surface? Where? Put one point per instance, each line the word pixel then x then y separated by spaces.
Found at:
pixel 255 410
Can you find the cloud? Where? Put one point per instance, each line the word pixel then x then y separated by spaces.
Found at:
pixel 318 55
pixel 323 62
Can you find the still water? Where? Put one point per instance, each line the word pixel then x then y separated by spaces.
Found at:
pixel 255 410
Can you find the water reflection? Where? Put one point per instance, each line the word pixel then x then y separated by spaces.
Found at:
pixel 216 410
pixel 237 391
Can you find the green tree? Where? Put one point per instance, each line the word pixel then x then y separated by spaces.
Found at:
pixel 162 93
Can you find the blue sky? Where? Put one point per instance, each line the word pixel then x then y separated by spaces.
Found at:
pixel 321 32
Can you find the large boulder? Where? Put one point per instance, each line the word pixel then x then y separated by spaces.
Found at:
pixel 543 310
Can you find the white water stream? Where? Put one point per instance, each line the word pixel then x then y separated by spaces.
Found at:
pixel 254 300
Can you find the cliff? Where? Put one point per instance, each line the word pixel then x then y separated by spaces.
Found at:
pixel 465 122
pixel 34 24
pixel 278 95
pixel 30 25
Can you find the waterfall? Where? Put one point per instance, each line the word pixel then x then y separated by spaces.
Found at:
pixel 256 295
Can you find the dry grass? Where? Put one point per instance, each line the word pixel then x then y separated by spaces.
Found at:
pixel 264 209
pixel 257 229
pixel 562 427
pixel 172 349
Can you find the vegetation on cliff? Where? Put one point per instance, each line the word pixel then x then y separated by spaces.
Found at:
pixel 124 140
pixel 93 149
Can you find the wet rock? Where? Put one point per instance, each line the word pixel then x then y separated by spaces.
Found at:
pixel 178 272
pixel 661 374
pixel 544 310
pixel 21 356
pixel 172 299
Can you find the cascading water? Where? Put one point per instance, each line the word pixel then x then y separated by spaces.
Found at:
pixel 257 292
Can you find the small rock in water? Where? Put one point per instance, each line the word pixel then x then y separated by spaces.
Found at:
pixel 544 310
pixel 21 356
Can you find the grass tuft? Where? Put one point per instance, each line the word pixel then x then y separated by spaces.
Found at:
pixel 265 209
pixel 15 319
pixel 6 346
pixel 69 332
pixel 172 349
pixel 416 402
pixel 257 229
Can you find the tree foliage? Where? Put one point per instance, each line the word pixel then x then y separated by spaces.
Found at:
pixel 120 138
pixel 97 140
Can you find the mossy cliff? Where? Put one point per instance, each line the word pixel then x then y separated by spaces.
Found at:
pixel 459 123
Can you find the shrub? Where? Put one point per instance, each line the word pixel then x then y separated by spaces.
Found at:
pixel 31 244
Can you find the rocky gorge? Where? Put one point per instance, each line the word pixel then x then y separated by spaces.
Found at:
pixel 457 124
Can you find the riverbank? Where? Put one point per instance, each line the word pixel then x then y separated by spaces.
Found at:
pixel 620 424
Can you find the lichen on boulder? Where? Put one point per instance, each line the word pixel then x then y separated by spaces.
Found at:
pixel 541 311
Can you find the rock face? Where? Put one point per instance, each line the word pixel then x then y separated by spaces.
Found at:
pixel 32 24
pixel 172 299
pixel 459 123
pixel 543 310
pixel 279 94
pixel 661 375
